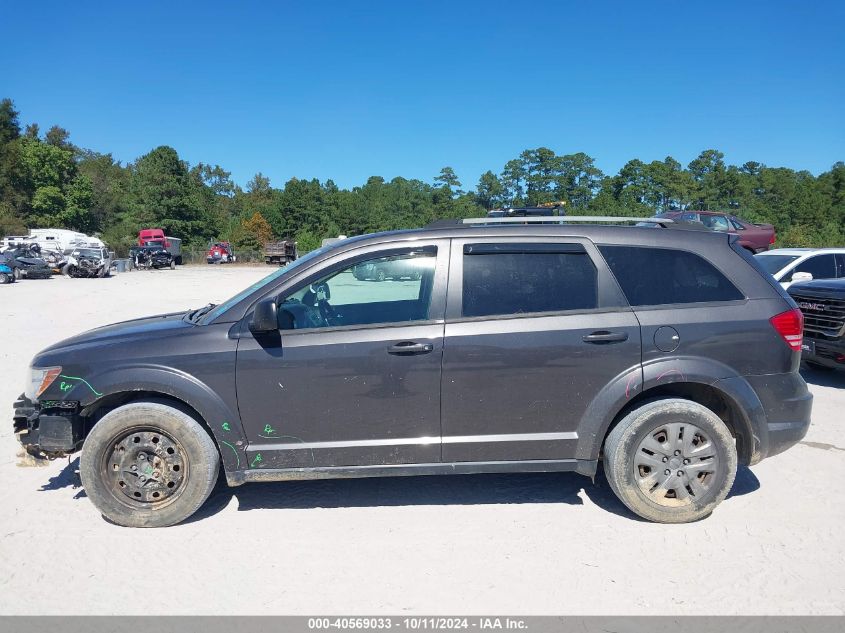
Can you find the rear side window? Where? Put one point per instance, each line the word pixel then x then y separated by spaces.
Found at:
pixel 506 279
pixel 660 276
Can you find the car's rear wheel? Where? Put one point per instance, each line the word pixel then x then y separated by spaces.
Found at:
pixel 147 464
pixel 5 278
pixel 172 264
pixel 671 461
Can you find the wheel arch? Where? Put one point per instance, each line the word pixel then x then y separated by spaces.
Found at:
pixel 182 391
pixel 718 400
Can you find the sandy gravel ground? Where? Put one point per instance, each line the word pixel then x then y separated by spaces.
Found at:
pixel 525 544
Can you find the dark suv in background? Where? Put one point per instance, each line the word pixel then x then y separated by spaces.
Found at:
pixel 511 348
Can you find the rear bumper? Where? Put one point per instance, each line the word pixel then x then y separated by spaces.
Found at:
pixel 787 405
pixel 51 432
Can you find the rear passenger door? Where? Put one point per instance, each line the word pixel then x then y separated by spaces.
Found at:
pixel 536 327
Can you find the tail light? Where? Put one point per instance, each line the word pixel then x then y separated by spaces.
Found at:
pixel 772 239
pixel 790 325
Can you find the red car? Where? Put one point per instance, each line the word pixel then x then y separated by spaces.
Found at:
pixel 755 237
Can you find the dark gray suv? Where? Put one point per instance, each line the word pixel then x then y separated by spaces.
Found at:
pixel 664 353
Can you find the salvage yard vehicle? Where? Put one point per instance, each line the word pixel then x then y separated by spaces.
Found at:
pixel 220 253
pixel 6 274
pixel 147 257
pixel 520 348
pixel 281 253
pixel 26 262
pixel 156 237
pixel 88 262
pixel 823 305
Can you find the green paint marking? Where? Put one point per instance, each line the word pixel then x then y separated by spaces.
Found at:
pixel 226 426
pixel 235 451
pixel 96 393
pixel 65 386
pixel 269 430
pixel 256 461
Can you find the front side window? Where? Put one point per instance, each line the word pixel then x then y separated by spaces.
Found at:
pixel 508 279
pixel 662 276
pixel 394 288
pixel 819 266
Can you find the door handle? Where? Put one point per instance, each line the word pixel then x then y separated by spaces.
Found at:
pixel 605 337
pixel 410 348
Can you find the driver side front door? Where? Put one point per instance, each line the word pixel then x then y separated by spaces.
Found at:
pixel 354 377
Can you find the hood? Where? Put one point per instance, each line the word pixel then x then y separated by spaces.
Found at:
pixel 32 261
pixel 125 331
pixel 833 287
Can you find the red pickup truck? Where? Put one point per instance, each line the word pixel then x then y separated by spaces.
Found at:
pixel 755 237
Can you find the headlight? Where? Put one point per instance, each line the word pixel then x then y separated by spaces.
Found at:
pixel 39 379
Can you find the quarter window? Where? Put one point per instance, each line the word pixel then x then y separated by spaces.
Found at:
pixel 660 276
pixel 507 279
pixel 394 288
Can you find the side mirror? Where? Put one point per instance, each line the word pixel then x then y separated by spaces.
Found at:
pixel 796 277
pixel 265 318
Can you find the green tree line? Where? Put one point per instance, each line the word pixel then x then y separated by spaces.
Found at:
pixel 47 181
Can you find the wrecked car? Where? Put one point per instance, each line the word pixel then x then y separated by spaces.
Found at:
pixel 87 262
pixel 520 348
pixel 6 274
pixel 151 256
pixel 26 262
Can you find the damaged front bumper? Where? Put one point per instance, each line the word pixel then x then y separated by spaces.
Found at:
pixel 48 429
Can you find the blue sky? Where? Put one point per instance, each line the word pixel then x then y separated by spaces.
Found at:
pixel 347 90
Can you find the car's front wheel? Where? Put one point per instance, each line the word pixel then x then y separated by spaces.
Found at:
pixel 147 464
pixel 671 461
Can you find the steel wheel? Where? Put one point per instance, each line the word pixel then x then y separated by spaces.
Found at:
pixel 676 464
pixel 145 467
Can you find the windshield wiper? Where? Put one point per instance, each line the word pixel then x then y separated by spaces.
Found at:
pixel 196 315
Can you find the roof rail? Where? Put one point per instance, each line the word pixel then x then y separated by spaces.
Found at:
pixel 566 218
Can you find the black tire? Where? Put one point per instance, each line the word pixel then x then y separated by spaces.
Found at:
pixel 196 460
pixel 16 273
pixel 628 464
pixel 178 260
pixel 6 278
pixel 67 269
pixel 172 264
pixel 380 276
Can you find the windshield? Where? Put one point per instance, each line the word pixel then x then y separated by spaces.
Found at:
pixel 88 252
pixel 264 282
pixel 773 263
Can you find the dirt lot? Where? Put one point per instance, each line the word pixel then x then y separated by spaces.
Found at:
pixel 526 544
